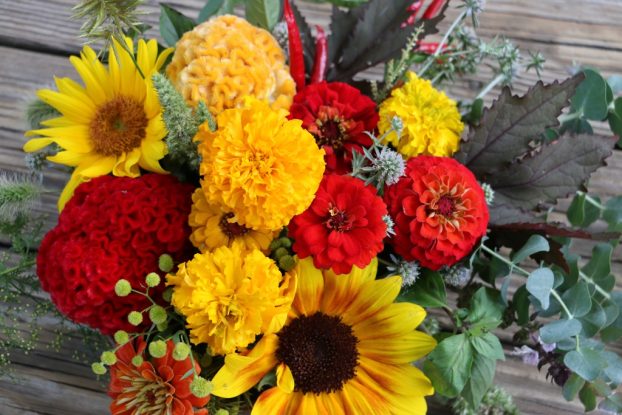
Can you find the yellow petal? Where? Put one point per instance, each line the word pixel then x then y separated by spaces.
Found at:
pixel 73 138
pixel 240 373
pixel 36 144
pixel 395 380
pixel 126 164
pixel 356 399
pixel 75 180
pixel 310 287
pixel 271 402
pixel 93 87
pixel 73 108
pixel 401 349
pixel 341 290
pixel 163 57
pixel 98 166
pixel 396 319
pixel 67 158
pixel 284 378
pixel 373 296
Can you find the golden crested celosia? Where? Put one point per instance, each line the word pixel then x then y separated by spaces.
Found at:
pixel 259 165
pixel 112 124
pixel 226 59
pixel 212 228
pixel 229 296
pixel 432 122
pixel 346 348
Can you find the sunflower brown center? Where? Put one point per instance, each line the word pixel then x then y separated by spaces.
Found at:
pixel 338 220
pixel 330 129
pixel 232 229
pixel 321 352
pixel 118 126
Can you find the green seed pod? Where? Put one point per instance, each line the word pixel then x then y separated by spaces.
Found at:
pixel 122 288
pixel 157 314
pixel 157 348
pixel 274 245
pixel 285 242
pixel 165 263
pixel 108 358
pixel 201 387
pixel 135 318
pixel 137 360
pixel 287 263
pixel 121 337
pixel 181 351
pixel 281 252
pixel 98 368
pixel 162 326
pixel 152 279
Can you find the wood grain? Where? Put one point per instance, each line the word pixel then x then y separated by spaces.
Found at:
pixel 36 35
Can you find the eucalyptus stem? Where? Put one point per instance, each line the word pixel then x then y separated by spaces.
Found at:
pixel 496 81
pixel 598 288
pixel 591 200
pixel 561 302
pixel 428 63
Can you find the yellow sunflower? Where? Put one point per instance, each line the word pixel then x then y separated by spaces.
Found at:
pixel 213 227
pixel 346 348
pixel 112 124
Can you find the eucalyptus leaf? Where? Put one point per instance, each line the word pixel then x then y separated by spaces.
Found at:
pixel 520 303
pixel 581 213
pixel 540 284
pixel 535 244
pixel 615 82
pixel 614 367
pixel 173 24
pixel 587 398
pixel 599 265
pixel 572 387
pixel 578 299
pixel 263 13
pixel 585 362
pixel 594 321
pixel 613 211
pixel 559 330
pixel 210 9
pixel 590 99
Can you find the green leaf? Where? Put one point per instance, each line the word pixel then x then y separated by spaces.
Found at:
pixel 614 367
pixel 486 310
pixel 540 284
pixel 582 213
pixel 308 41
pixel 590 99
pixel 427 291
pixel 489 346
pixel 615 117
pixel 615 82
pixel 556 171
pixel 587 398
pixel 453 358
pixel 599 265
pixel 559 330
pixel 509 126
pixel 534 245
pixel 173 24
pixel 576 126
pixel 578 299
pixel 520 303
pixel 211 8
pixel 613 211
pixel 263 13
pixel 572 387
pixel 594 321
pixel 480 381
pixel 585 362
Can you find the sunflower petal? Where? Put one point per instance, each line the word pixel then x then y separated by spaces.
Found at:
pixel 310 287
pixel 271 402
pixel 284 378
pixel 396 319
pixel 372 297
pixel 341 289
pixel 399 349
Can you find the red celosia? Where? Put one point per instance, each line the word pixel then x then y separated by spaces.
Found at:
pixel 343 226
pixel 439 211
pixel 113 228
pixel 157 387
pixel 337 115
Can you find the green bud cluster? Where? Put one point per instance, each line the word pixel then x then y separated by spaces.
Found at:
pixel 282 253
pixel 181 351
pixel 152 280
pixel 157 348
pixel 123 288
pixel 165 263
pixel 201 387
pixel 135 318
pixel 121 337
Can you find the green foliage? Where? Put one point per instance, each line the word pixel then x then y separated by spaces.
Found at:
pixel 18 194
pixel 495 402
pixel 38 111
pixel 427 291
pixel 173 24
pixel 107 19
pixel 211 8
pixel 263 13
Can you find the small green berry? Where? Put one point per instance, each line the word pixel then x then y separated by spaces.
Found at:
pixel 98 368
pixel 121 337
pixel 157 348
pixel 222 412
pixel 201 387
pixel 152 279
pixel 135 318
pixel 137 360
pixel 165 263
pixel 281 252
pixel 274 245
pixel 287 262
pixel 181 351
pixel 122 288
pixel 162 326
pixel 285 242
pixel 157 314
pixel 167 295
pixel 108 358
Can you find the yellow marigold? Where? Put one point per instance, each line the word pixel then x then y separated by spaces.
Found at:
pixel 432 123
pixel 259 165
pixel 226 59
pixel 213 227
pixel 230 296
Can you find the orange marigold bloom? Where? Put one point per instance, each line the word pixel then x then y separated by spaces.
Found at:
pixel 226 59
pixel 155 387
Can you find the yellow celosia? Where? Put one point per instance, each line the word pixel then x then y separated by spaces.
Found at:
pixel 432 122
pixel 260 166
pixel 212 228
pixel 231 296
pixel 112 124
pixel 226 59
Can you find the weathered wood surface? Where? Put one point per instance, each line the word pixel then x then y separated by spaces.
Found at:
pixel 37 35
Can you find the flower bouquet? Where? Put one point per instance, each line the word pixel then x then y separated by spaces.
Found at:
pixel 261 228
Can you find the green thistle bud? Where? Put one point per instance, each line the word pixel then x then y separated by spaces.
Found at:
pixel 137 360
pixel 287 263
pixel 157 314
pixel 98 368
pixel 285 242
pixel 165 263
pixel 162 326
pixel 280 252
pixel 167 295
pixel 157 348
pixel 201 387
pixel 121 337
pixel 108 358
pixel 122 288
pixel 181 351
pixel 135 318
pixel 152 280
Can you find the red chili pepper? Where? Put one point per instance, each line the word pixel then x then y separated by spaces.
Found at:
pixel 429 47
pixel 296 54
pixel 321 56
pixel 413 9
pixel 433 9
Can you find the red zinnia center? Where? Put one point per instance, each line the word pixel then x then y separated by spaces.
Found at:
pixel 446 206
pixel 338 220
pixel 231 229
pixel 331 129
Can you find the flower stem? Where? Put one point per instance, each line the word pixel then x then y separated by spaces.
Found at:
pixel 496 81
pixel 438 51
pixel 598 288
pixel 20 267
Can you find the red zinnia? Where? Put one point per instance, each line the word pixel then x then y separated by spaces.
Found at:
pixel 343 226
pixel 337 115
pixel 113 228
pixel 439 211
pixel 156 387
